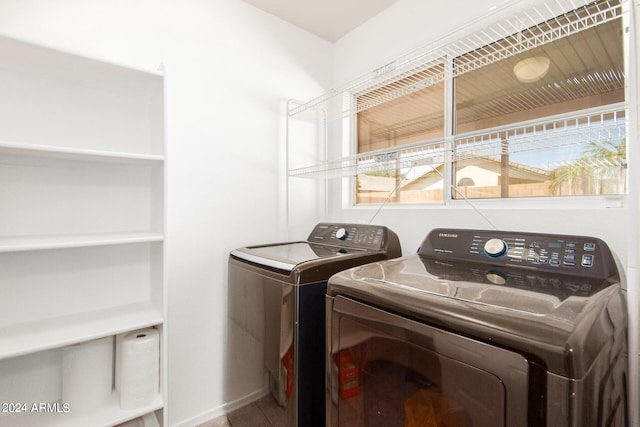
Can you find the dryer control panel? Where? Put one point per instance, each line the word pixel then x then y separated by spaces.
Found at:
pixel 578 255
pixel 371 237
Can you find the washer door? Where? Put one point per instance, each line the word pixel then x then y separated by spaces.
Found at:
pixel 388 370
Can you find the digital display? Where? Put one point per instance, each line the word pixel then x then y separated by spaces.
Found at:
pixel 555 245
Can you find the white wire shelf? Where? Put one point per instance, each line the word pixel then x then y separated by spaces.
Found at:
pixel 595 127
pixel 537 25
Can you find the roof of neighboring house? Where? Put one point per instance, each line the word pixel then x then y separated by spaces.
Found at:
pixel 434 174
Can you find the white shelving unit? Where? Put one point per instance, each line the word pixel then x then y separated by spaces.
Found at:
pixel 82 199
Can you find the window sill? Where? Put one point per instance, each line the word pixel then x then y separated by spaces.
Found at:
pixel 532 203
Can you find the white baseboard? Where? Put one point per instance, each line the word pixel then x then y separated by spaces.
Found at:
pixel 221 411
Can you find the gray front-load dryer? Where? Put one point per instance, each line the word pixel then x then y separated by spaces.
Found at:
pixel 481 328
pixel 277 299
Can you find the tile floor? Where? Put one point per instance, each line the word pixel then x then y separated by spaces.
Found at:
pixel 264 412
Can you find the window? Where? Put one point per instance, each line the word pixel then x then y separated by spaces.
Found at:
pixel 408 119
pixel 537 113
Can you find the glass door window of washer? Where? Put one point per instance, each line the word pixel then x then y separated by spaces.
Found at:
pixel 387 370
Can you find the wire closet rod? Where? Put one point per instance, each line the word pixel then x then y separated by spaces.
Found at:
pixel 540 24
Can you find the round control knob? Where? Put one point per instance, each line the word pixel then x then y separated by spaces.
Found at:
pixel 495 248
pixel 495 277
pixel 342 234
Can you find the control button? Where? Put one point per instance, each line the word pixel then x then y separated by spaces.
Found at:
pixel 495 248
pixel 554 262
pixel 590 247
pixel 496 277
pixel 587 260
pixel 533 256
pixel 342 234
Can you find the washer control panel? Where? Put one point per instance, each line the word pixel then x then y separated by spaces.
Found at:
pixel 352 235
pixel 580 255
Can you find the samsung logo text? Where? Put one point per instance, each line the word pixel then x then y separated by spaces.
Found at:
pixel 448 235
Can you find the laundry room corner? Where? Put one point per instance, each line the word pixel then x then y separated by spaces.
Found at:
pixel 300 229
pixel 227 68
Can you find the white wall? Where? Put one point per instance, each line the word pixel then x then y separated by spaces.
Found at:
pixel 229 69
pixel 402 27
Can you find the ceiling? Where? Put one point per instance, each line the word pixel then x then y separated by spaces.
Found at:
pixel 328 19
